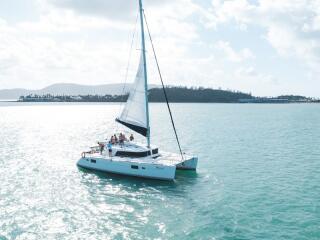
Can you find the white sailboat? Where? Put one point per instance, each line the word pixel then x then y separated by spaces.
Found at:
pixel 134 159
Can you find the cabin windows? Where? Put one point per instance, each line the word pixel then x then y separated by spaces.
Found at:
pixel 93 160
pixel 137 167
pixel 134 167
pixel 136 154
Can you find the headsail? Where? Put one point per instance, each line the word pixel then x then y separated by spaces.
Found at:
pixel 134 114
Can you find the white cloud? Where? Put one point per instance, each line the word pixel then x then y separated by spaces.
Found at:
pixel 65 21
pixel 233 55
pixel 38 60
pixel 69 44
pixel 122 10
pixel 224 11
pixel 246 72
pixel 292 26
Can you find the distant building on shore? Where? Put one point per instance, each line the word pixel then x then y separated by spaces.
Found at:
pixel 264 100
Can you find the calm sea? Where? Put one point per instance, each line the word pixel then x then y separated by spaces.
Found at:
pixel 258 175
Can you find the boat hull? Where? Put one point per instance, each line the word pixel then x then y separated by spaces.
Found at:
pixel 131 168
pixel 188 164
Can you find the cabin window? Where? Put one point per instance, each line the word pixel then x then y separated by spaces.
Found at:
pixel 134 167
pixel 93 161
pixel 143 168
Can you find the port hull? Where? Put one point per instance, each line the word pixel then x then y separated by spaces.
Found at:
pixel 131 168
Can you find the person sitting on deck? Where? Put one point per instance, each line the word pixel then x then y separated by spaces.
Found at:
pixel 131 137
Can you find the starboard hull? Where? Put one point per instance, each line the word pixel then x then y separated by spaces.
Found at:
pixel 188 164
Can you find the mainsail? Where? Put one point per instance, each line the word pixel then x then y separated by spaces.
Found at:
pixel 134 113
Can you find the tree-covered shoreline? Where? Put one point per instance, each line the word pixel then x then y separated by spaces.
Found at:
pixel 175 94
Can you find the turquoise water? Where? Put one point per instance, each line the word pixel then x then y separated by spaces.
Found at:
pixel 258 175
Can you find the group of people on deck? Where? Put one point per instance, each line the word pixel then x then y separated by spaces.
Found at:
pixel 114 140
pixel 122 138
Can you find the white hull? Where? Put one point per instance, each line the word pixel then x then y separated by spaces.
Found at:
pixel 131 168
pixel 155 165
pixel 188 164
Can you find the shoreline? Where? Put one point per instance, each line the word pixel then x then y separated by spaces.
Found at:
pixel 290 102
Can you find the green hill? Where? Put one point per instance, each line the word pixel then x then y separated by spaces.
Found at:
pixel 200 95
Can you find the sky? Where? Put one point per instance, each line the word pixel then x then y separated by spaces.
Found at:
pixel 263 47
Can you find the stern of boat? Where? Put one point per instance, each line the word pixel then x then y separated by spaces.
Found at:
pixel 189 163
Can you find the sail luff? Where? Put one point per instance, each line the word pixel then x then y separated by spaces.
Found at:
pixel 145 71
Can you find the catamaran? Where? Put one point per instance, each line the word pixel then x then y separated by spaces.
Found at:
pixel 129 157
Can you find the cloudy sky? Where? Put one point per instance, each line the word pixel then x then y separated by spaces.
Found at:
pixel 265 47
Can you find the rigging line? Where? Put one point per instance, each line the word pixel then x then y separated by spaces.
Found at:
pixel 130 52
pixel 128 64
pixel 164 90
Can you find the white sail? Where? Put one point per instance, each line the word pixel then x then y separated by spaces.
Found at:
pixel 134 114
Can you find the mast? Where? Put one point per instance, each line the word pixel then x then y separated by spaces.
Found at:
pixel 145 71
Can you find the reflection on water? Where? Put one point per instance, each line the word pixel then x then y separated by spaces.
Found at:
pixel 136 184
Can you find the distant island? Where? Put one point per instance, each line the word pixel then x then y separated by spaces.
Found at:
pixel 69 89
pixel 176 95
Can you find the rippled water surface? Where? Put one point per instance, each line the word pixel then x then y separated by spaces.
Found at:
pixel 258 175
